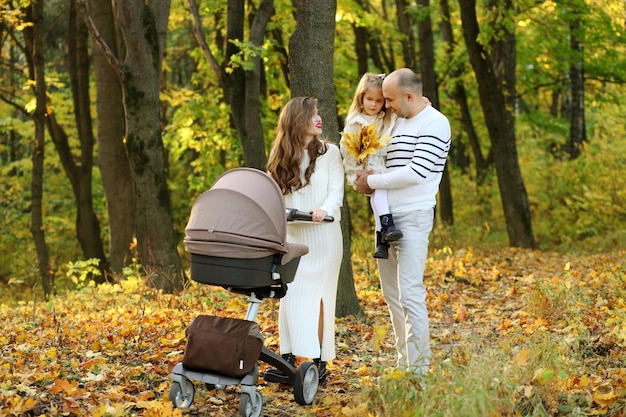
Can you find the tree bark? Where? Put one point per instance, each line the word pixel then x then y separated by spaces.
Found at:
pixel 360 42
pixel 311 48
pixel 87 223
pixel 241 87
pixel 34 39
pixel 431 90
pixel 459 95
pixel 499 119
pixel 112 158
pixel 79 175
pixel 578 134
pixel 406 28
pixel 253 142
pixel 144 27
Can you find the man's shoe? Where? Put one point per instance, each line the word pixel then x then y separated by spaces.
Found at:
pixel 276 375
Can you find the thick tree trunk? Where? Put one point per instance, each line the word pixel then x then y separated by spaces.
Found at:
pixel 112 158
pixel 144 28
pixel 311 50
pixel 499 119
pixel 34 38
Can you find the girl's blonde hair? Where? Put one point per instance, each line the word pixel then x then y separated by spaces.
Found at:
pixel 369 80
pixel 288 148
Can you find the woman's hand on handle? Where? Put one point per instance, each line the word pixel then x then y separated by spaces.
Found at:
pixel 318 214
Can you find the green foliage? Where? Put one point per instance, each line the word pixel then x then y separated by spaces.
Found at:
pixel 81 273
pixel 576 205
pixel 244 58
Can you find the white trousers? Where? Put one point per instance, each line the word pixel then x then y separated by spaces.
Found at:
pixel 402 284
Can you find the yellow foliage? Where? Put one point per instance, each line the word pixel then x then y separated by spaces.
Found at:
pixel 604 395
pixel 105 351
pixel 363 143
pixel 380 332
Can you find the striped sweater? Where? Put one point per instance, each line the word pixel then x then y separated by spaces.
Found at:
pixel 416 157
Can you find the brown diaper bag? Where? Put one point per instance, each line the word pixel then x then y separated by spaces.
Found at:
pixel 223 345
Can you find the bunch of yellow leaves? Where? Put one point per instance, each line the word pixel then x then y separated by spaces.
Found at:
pixel 363 143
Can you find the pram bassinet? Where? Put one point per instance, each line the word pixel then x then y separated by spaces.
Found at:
pixel 236 235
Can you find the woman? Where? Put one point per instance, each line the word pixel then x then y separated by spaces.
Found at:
pixel 309 172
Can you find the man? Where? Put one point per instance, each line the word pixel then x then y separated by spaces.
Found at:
pixel 416 157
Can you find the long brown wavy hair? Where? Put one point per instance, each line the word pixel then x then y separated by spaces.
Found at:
pixel 289 147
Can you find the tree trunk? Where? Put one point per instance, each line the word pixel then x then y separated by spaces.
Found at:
pixel 360 48
pixel 244 98
pixel 87 223
pixel 112 158
pixel 253 142
pixel 577 135
pixel 34 37
pixel 242 87
pixel 79 175
pixel 460 97
pixel 499 119
pixel 311 49
pixel 144 28
pixel 430 90
pixel 406 28
pixel 360 43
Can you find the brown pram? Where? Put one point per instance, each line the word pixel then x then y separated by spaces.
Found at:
pixel 236 235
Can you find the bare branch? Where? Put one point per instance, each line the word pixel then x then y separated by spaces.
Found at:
pixel 99 40
pixel 204 47
pixel 18 107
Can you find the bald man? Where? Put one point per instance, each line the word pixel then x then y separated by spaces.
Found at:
pixel 416 157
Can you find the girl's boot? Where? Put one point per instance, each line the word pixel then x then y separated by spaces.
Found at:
pixel 388 229
pixel 382 248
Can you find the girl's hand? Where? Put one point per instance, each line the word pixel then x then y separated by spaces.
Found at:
pixel 318 214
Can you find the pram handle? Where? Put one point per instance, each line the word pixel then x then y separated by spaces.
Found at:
pixel 295 215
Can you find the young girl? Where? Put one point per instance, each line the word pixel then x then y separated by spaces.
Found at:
pixel 368 106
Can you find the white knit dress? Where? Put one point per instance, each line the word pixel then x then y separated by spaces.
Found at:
pixel 318 272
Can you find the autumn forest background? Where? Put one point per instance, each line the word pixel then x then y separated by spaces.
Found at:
pixel 114 116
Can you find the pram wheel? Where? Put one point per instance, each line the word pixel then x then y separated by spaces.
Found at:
pixel 250 406
pixel 180 399
pixel 305 383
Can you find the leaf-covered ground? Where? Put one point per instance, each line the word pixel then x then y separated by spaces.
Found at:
pixel 109 351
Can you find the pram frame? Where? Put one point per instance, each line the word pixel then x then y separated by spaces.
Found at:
pixel 304 378
pixel 259 277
